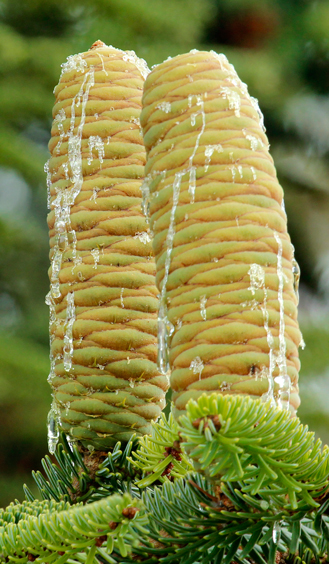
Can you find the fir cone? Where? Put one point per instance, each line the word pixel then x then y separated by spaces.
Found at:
pixel 225 264
pixel 103 299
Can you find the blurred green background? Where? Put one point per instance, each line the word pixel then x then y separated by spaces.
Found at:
pixel 280 48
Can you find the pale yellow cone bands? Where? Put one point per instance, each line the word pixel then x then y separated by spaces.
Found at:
pixel 228 291
pixel 103 300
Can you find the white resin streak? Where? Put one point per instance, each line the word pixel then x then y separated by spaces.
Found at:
pixel 52 319
pixel 164 106
pixel 234 103
pixel 59 120
pixel 65 199
pixel 96 142
pixel 74 62
pixel 140 64
pixel 192 169
pixel 277 356
pixel 203 309
pixel 121 298
pixel 68 335
pixel 208 153
pixel 233 98
pixel 95 254
pixel 257 282
pixel 143 236
pixel 102 62
pixel 49 183
pixel 283 379
pixel 165 327
pixel 197 366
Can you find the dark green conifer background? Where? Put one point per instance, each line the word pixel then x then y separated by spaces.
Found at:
pixel 280 48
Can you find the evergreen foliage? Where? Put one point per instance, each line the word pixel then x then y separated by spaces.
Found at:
pixel 91 477
pixel 237 438
pixel 159 455
pixel 187 519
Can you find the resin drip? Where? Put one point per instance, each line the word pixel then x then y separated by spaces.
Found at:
pixel 95 255
pixel 52 319
pixel 209 151
pixel 203 310
pixel 192 169
pixel 65 199
pixel 68 336
pixel 53 423
pixel 257 282
pixel 197 366
pixel 59 120
pixel 144 237
pixel 95 142
pixel 234 100
pixel 165 328
pixel 283 379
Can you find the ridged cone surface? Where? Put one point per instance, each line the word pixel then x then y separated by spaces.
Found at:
pixel 225 263
pixel 103 299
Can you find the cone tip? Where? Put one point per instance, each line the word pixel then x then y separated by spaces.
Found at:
pixel 97 44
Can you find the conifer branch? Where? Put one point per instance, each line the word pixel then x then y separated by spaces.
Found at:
pixel 59 536
pixel 190 520
pixel 159 455
pixel 84 476
pixel 233 438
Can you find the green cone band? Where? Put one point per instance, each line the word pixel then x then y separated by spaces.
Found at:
pixel 225 264
pixel 103 299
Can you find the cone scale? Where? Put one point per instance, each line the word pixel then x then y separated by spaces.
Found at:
pixel 103 299
pixel 225 264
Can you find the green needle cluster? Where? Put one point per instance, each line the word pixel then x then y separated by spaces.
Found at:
pixel 159 455
pixel 234 438
pixel 62 535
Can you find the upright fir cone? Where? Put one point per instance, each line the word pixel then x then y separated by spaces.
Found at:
pixel 103 299
pixel 225 264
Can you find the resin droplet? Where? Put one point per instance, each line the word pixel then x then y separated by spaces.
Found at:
pixel 53 421
pixel 197 366
pixel 276 533
pixel 121 298
pixel 68 336
pixel 58 120
pixel 163 356
pixel 137 62
pixel 253 172
pixel 255 142
pixel 73 62
pixel 257 278
pixel 146 197
pixel 164 106
pixel 257 282
pixel 296 275
pixel 95 254
pixel 49 183
pixel 203 311
pixel 95 142
pixel 255 104
pixel 209 151
pixel 234 100
pixel 283 380
pixel 144 237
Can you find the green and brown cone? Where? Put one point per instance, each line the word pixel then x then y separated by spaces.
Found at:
pixel 225 263
pixel 103 299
